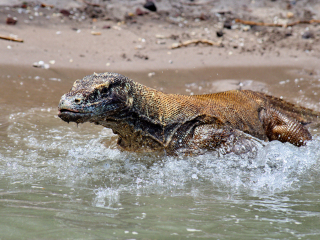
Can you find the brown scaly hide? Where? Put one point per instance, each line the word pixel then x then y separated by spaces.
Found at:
pixel 146 119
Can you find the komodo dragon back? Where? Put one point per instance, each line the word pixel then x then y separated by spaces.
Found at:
pixel 147 120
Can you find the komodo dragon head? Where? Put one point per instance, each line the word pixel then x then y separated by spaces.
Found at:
pixel 96 97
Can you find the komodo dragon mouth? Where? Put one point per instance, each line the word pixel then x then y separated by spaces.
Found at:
pixel 68 115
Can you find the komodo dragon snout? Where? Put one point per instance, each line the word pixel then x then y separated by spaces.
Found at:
pixel 147 120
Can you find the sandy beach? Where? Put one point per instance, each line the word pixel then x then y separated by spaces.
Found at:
pixel 123 35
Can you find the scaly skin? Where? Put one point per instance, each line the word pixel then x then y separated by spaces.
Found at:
pixel 149 120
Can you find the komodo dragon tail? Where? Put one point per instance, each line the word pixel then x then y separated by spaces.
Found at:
pixel 301 114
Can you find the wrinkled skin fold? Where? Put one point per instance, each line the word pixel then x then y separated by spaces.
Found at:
pixel 148 120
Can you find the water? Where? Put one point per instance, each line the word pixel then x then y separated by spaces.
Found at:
pixel 60 181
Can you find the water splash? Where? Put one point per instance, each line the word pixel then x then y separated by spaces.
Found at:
pixel 40 147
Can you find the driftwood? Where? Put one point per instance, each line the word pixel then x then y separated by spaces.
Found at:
pixel 95 33
pixel 44 5
pixel 252 23
pixel 196 3
pixel 9 38
pixel 91 4
pixel 194 41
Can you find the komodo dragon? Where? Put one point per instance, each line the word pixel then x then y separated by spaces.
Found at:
pixel 149 120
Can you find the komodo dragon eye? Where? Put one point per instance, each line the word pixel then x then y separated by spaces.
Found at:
pixel 104 91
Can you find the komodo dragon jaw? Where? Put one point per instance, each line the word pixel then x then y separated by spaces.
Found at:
pixel 149 120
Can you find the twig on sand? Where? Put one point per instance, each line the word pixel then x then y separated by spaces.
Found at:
pixel 251 23
pixel 91 4
pixel 44 5
pixel 195 41
pixel 95 33
pixel 10 38
pixel 197 3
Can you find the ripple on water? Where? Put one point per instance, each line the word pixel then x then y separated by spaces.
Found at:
pixel 40 146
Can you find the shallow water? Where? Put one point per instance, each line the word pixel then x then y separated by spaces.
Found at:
pixel 60 181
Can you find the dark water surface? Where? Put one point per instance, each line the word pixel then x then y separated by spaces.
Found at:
pixel 60 181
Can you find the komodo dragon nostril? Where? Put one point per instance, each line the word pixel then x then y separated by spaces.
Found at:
pixel 77 100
